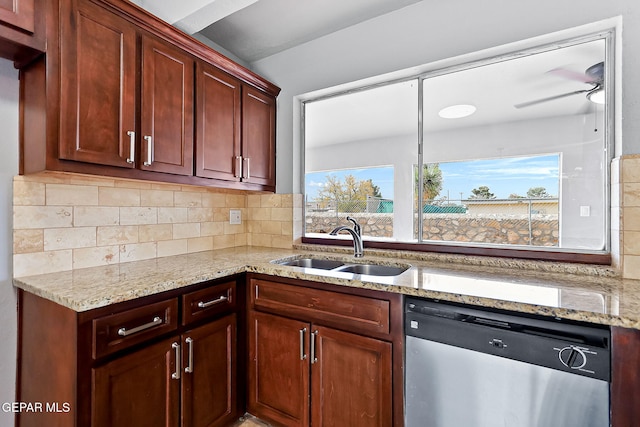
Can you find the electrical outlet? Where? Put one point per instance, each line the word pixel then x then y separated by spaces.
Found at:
pixel 585 210
pixel 235 216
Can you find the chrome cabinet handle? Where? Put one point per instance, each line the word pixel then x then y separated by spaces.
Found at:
pixel 248 168
pixel 314 359
pixel 176 374
pixel 238 172
pixel 203 304
pixel 124 332
pixel 132 146
pixel 149 150
pixel 303 331
pixel 189 367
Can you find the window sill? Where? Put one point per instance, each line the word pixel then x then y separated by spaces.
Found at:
pixel 526 254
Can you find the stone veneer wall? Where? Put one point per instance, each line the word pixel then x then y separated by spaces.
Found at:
pixel 67 221
pixel 507 229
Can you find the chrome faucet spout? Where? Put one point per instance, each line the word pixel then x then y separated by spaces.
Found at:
pixel 356 234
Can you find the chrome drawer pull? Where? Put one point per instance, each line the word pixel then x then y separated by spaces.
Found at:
pixel 313 357
pixel 247 169
pixel 238 171
pixel 176 374
pixel 203 304
pixel 189 367
pixel 303 356
pixel 124 332
pixel 132 146
pixel 149 150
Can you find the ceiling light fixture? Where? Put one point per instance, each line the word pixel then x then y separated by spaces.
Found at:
pixel 596 95
pixel 457 111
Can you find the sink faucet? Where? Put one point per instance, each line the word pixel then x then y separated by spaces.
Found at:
pixel 356 233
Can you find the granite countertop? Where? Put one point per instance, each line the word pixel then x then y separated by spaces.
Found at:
pixel 579 292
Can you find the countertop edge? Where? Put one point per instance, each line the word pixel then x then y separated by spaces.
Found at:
pixel 226 263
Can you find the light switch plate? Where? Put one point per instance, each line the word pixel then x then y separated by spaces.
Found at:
pixel 235 216
pixel 585 210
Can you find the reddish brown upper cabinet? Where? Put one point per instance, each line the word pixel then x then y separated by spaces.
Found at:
pixel 235 134
pixel 218 131
pixel 97 87
pixel 21 30
pixel 118 94
pixel 166 108
pixel 98 121
pixel 258 137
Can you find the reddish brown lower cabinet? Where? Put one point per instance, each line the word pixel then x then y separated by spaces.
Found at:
pixel 209 396
pixel 320 357
pixel 134 389
pixel 279 369
pixel 351 379
pixel 165 360
pixel 625 377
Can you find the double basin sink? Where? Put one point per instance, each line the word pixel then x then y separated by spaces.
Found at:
pixel 345 267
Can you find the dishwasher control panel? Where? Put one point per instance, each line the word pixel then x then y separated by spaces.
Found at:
pixel 570 347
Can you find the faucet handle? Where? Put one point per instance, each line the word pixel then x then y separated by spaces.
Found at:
pixel 356 226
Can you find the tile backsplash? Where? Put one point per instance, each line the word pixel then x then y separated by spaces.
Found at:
pixel 626 225
pixel 67 221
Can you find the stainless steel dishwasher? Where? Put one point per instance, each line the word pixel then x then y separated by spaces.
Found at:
pixel 468 367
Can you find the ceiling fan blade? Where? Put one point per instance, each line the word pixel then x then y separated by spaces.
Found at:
pixel 551 98
pixel 571 75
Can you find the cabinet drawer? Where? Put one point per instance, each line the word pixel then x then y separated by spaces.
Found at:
pixel 332 308
pixel 208 302
pixel 121 330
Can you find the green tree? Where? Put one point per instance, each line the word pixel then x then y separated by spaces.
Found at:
pixel 515 196
pixel 482 192
pixel 538 193
pixel 349 195
pixel 431 181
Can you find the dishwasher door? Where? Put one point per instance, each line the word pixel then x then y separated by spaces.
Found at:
pixel 448 385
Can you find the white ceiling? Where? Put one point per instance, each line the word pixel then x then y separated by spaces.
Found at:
pixel 255 29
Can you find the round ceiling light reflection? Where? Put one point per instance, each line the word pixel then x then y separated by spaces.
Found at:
pixel 457 111
pixel 596 96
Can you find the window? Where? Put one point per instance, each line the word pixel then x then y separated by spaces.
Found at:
pixel 507 153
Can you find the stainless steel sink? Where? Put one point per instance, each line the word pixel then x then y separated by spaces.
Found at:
pixel 372 269
pixel 344 267
pixel 323 264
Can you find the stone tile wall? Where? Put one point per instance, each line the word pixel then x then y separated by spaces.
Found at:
pixel 625 220
pixel 69 221
pixel 274 220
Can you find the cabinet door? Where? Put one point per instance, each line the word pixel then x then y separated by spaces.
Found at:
pixel 18 13
pixel 97 88
pixel 258 137
pixel 137 389
pixel 278 369
pixel 166 108
pixel 209 382
pixel 218 124
pixel 351 380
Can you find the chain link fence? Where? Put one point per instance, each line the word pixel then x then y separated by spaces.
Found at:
pixel 374 214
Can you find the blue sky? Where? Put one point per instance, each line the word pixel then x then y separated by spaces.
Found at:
pixel 502 176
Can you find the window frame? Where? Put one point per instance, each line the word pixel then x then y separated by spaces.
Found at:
pixel 602 257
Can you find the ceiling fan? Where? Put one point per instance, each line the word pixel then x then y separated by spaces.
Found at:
pixel 594 75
